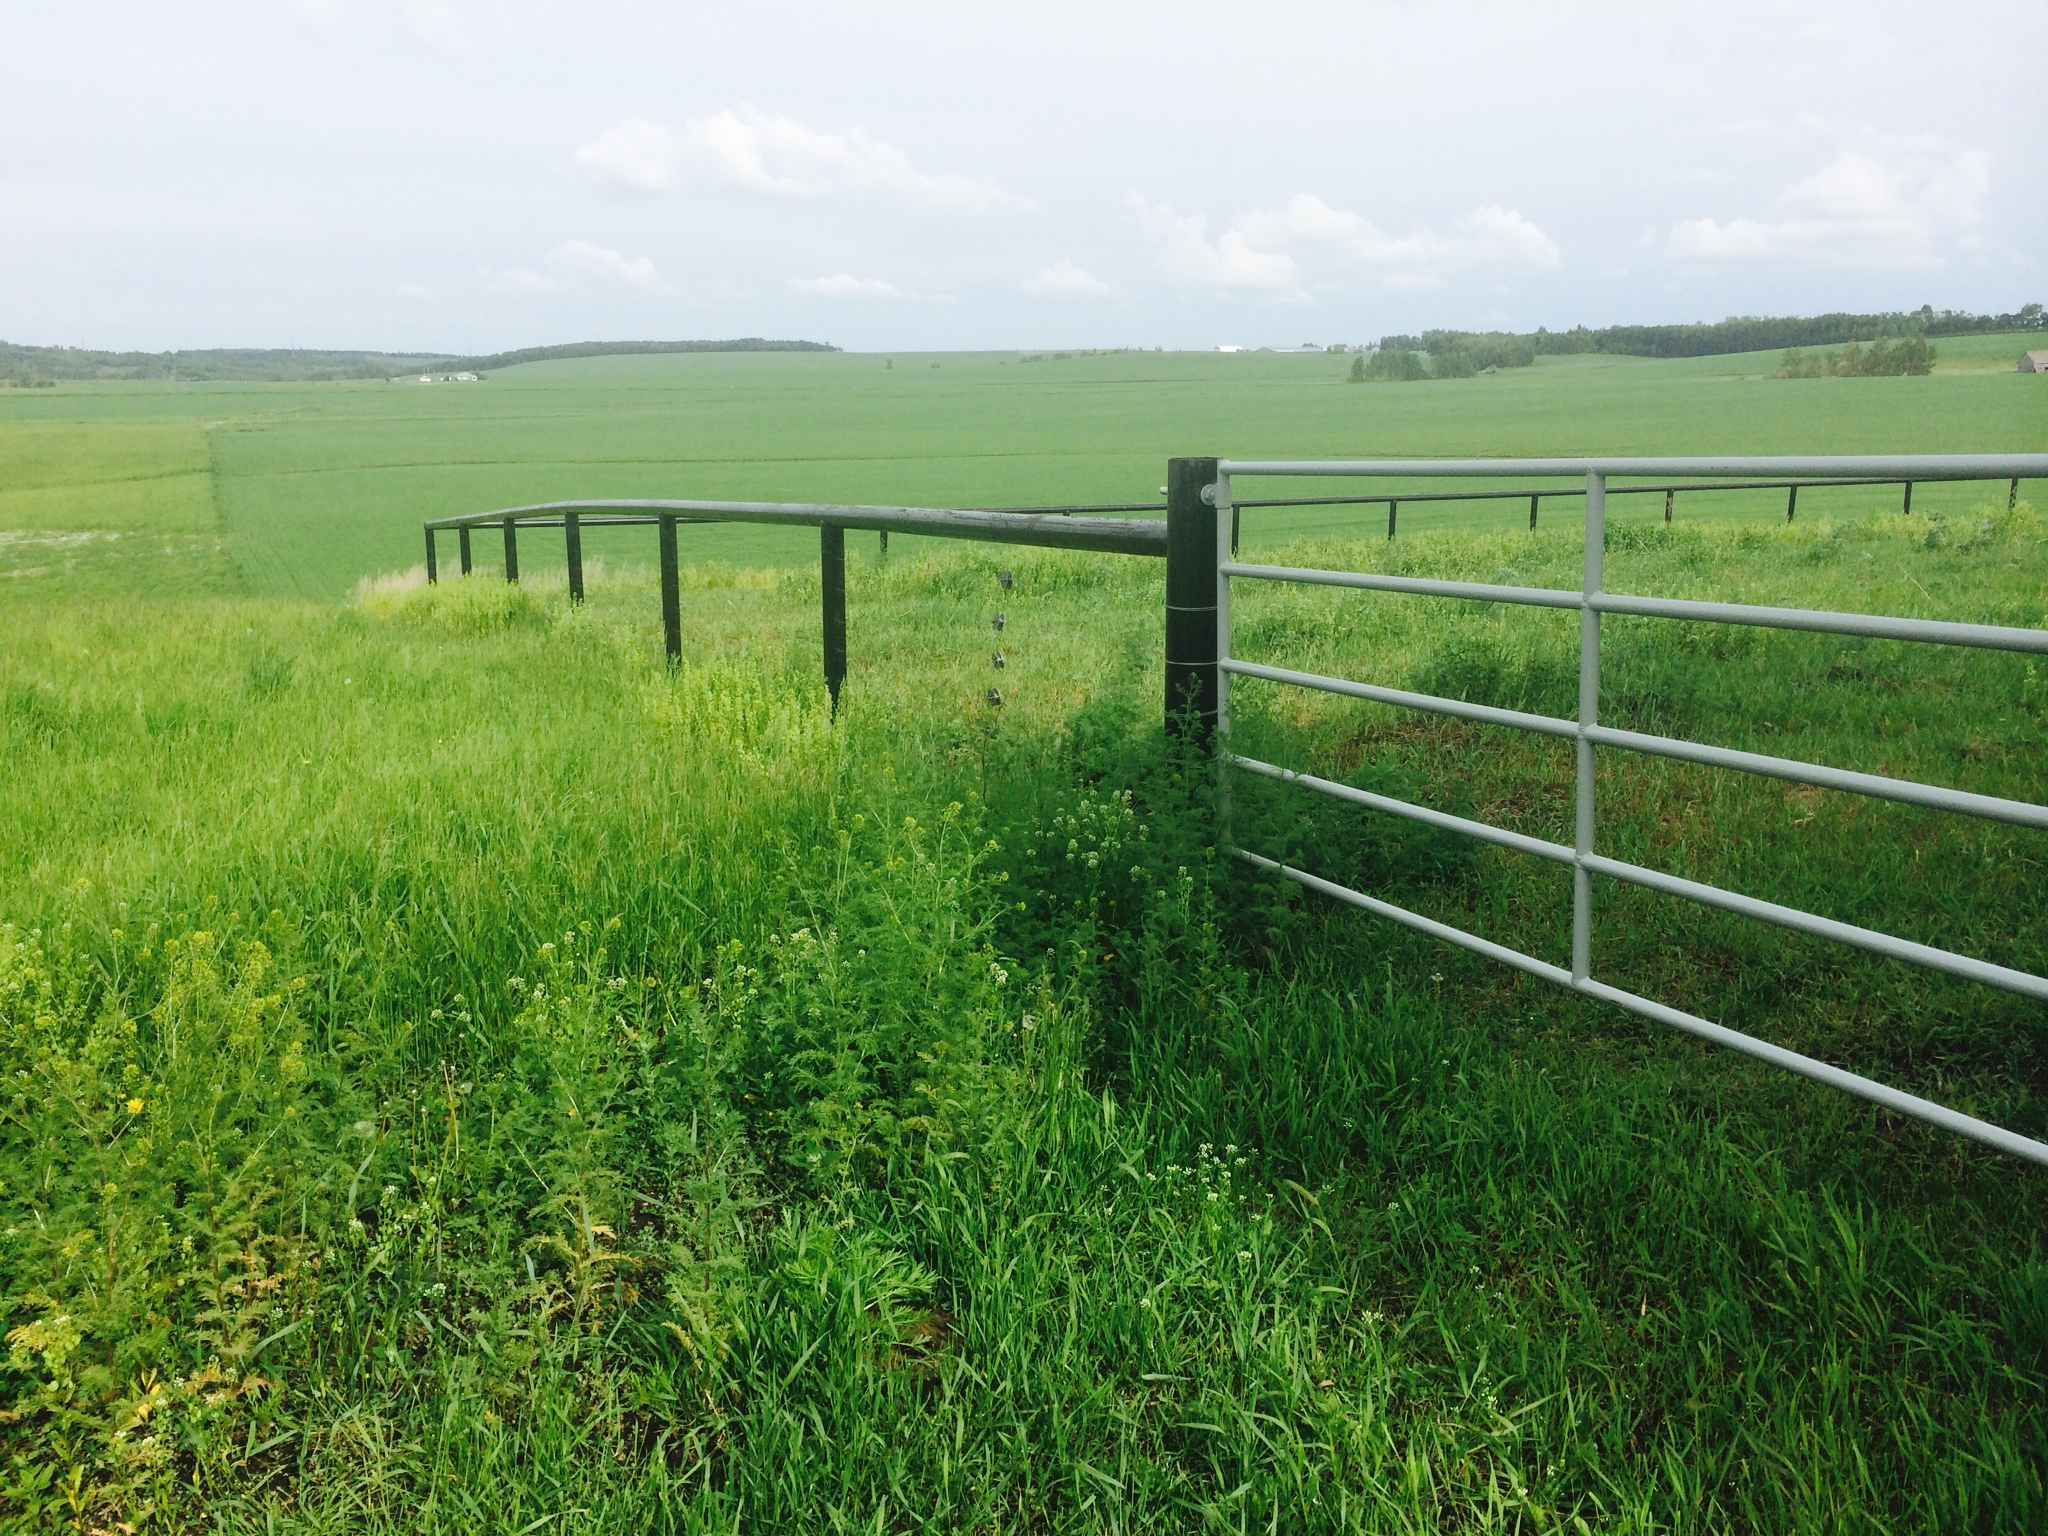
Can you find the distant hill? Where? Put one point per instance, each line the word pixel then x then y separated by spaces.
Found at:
pixel 32 365
pixel 630 349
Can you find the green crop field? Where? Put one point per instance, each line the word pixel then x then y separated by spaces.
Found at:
pixel 314 486
pixel 462 1073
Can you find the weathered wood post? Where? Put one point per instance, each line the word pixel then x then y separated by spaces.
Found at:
pixel 671 591
pixel 2012 494
pixel 1393 507
pixel 1670 494
pixel 1192 676
pixel 572 537
pixel 1532 513
pixel 433 571
pixel 463 542
pixel 832 587
pixel 1909 498
pixel 1791 502
pixel 511 550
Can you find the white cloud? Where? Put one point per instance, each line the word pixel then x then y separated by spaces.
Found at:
pixel 1488 238
pixel 638 155
pixel 841 285
pixel 519 280
pixel 435 25
pixel 579 258
pixel 1186 256
pixel 576 264
pixel 1883 201
pixel 1265 250
pixel 1494 236
pixel 423 21
pixel 775 156
pixel 1065 280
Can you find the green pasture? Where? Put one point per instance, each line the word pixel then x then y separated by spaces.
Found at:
pixel 459 1072
pixel 310 487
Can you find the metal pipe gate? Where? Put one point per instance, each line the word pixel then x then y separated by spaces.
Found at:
pixel 1587 734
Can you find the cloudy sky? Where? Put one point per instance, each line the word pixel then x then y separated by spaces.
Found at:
pixel 406 173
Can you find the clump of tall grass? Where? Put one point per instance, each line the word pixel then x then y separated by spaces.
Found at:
pixel 470 606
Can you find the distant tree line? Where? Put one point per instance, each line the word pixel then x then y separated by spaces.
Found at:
pixel 1391 364
pixel 1897 342
pixel 35 365
pixel 1751 333
pixel 1885 359
pixel 1444 355
pixel 240 363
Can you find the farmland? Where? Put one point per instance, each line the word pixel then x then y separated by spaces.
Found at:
pixel 464 1074
pixel 313 486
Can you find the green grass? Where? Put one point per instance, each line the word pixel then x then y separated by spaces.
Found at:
pixel 1998 353
pixel 104 503
pixel 568 1090
pixel 460 1073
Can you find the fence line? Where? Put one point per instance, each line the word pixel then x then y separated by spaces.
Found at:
pixel 1198 539
pixel 1044 529
pixel 1392 501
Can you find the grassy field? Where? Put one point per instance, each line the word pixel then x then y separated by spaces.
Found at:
pixel 464 1074
pixel 299 490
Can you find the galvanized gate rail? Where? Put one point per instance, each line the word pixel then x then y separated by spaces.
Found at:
pixel 1200 500
pixel 1393 501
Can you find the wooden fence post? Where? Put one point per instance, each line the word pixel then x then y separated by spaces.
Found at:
pixel 463 541
pixel 1791 502
pixel 1393 507
pixel 433 572
pixel 1532 513
pixel 1669 497
pixel 511 550
pixel 572 537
